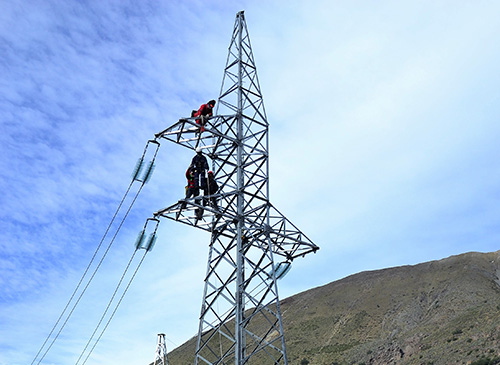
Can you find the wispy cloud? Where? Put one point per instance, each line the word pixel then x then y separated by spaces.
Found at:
pixel 383 131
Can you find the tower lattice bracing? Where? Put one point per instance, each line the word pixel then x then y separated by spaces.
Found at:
pixel 161 351
pixel 252 244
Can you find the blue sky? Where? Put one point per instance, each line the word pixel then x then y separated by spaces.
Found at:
pixel 384 129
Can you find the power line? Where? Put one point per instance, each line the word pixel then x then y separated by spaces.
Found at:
pixel 109 305
pixel 83 276
pixel 148 248
pixel 116 308
pixel 145 178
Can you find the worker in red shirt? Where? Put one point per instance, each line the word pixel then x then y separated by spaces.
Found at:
pixel 192 188
pixel 204 112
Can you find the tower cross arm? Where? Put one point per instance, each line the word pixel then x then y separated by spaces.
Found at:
pixel 186 132
pixel 285 238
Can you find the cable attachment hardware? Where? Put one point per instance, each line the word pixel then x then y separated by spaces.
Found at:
pixel 281 270
pixel 150 228
pixel 149 167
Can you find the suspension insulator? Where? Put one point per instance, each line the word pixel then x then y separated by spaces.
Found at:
pixel 282 269
pixel 149 172
pixel 140 240
pixel 138 169
pixel 151 242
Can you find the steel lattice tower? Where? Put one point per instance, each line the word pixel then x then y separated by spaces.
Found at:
pixel 161 351
pixel 252 244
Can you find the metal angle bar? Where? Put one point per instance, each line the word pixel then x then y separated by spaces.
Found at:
pixel 251 135
pixel 251 92
pixel 228 352
pixel 225 177
pixel 218 293
pixel 218 290
pixel 220 320
pixel 257 269
pixel 254 191
pixel 261 308
pixel 248 65
pixel 262 293
pixel 297 245
pixel 229 131
pixel 191 221
pixel 178 129
pixel 229 92
pixel 283 218
pixel 260 163
pixel 251 279
pixel 203 359
pixel 231 76
pixel 179 124
pixel 261 207
pixel 251 160
pixel 263 344
pixel 234 63
pixel 249 107
pixel 206 340
pixel 257 194
pixel 253 150
pixel 220 327
pixel 257 111
pixel 225 249
pixel 255 168
pixel 259 136
pixel 256 277
pixel 257 186
pixel 216 263
pixel 251 73
pixel 223 255
pixel 221 146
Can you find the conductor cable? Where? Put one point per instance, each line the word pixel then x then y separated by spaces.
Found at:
pixel 148 175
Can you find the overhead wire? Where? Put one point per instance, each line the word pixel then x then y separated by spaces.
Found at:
pixel 143 181
pixel 91 278
pixel 83 276
pixel 116 308
pixel 148 247
pixel 107 308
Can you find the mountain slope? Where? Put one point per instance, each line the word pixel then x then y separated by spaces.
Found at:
pixel 439 312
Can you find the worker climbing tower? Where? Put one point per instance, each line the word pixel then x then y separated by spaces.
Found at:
pixel 252 244
pixel 161 351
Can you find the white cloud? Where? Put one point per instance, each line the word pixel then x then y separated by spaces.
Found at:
pixel 383 132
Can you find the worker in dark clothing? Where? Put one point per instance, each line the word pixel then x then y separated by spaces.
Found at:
pixel 204 113
pixel 200 163
pixel 212 189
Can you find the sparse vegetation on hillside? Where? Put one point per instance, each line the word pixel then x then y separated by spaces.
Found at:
pixel 420 314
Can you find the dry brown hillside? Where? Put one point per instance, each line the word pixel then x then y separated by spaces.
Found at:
pixel 439 312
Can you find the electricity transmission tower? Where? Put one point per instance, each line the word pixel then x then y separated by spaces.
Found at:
pixel 161 351
pixel 252 244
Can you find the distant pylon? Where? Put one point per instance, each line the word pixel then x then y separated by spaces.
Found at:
pixel 240 320
pixel 161 351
